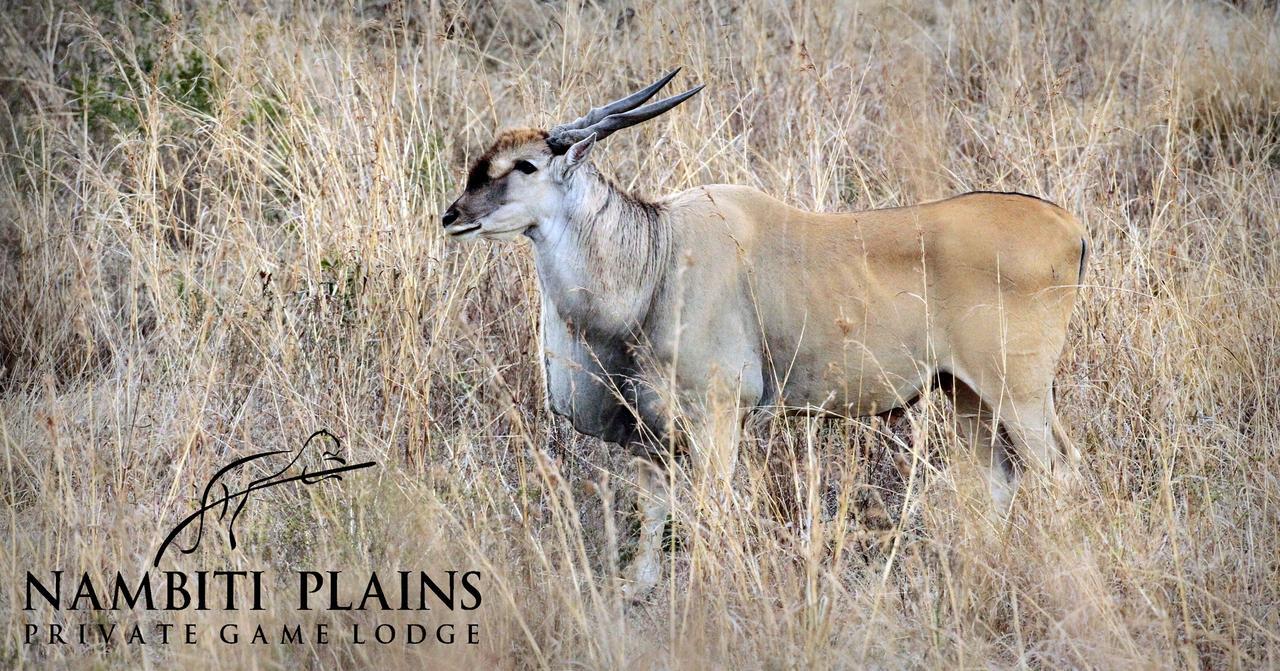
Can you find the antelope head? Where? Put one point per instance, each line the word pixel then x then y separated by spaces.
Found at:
pixel 527 174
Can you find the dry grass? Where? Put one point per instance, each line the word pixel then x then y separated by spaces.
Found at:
pixel 219 233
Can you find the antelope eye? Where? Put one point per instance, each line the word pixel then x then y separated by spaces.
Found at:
pixel 526 167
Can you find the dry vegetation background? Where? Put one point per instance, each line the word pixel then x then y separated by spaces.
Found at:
pixel 218 233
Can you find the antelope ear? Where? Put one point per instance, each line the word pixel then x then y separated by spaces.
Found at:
pixel 579 151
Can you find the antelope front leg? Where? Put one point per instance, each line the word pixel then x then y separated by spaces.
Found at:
pixel 714 455
pixel 651 500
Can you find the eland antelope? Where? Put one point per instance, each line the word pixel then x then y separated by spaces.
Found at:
pixel 724 290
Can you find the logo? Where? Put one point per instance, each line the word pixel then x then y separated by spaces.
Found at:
pixel 275 479
pixel 90 610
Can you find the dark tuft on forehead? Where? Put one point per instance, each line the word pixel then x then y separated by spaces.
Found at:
pixel 479 174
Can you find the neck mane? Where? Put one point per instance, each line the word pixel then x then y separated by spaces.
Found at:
pixel 601 259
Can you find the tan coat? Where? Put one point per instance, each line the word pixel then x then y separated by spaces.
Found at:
pixel 854 313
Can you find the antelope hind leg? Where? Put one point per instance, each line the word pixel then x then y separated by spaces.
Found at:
pixel 974 423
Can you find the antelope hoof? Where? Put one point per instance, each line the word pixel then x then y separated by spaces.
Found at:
pixel 640 581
